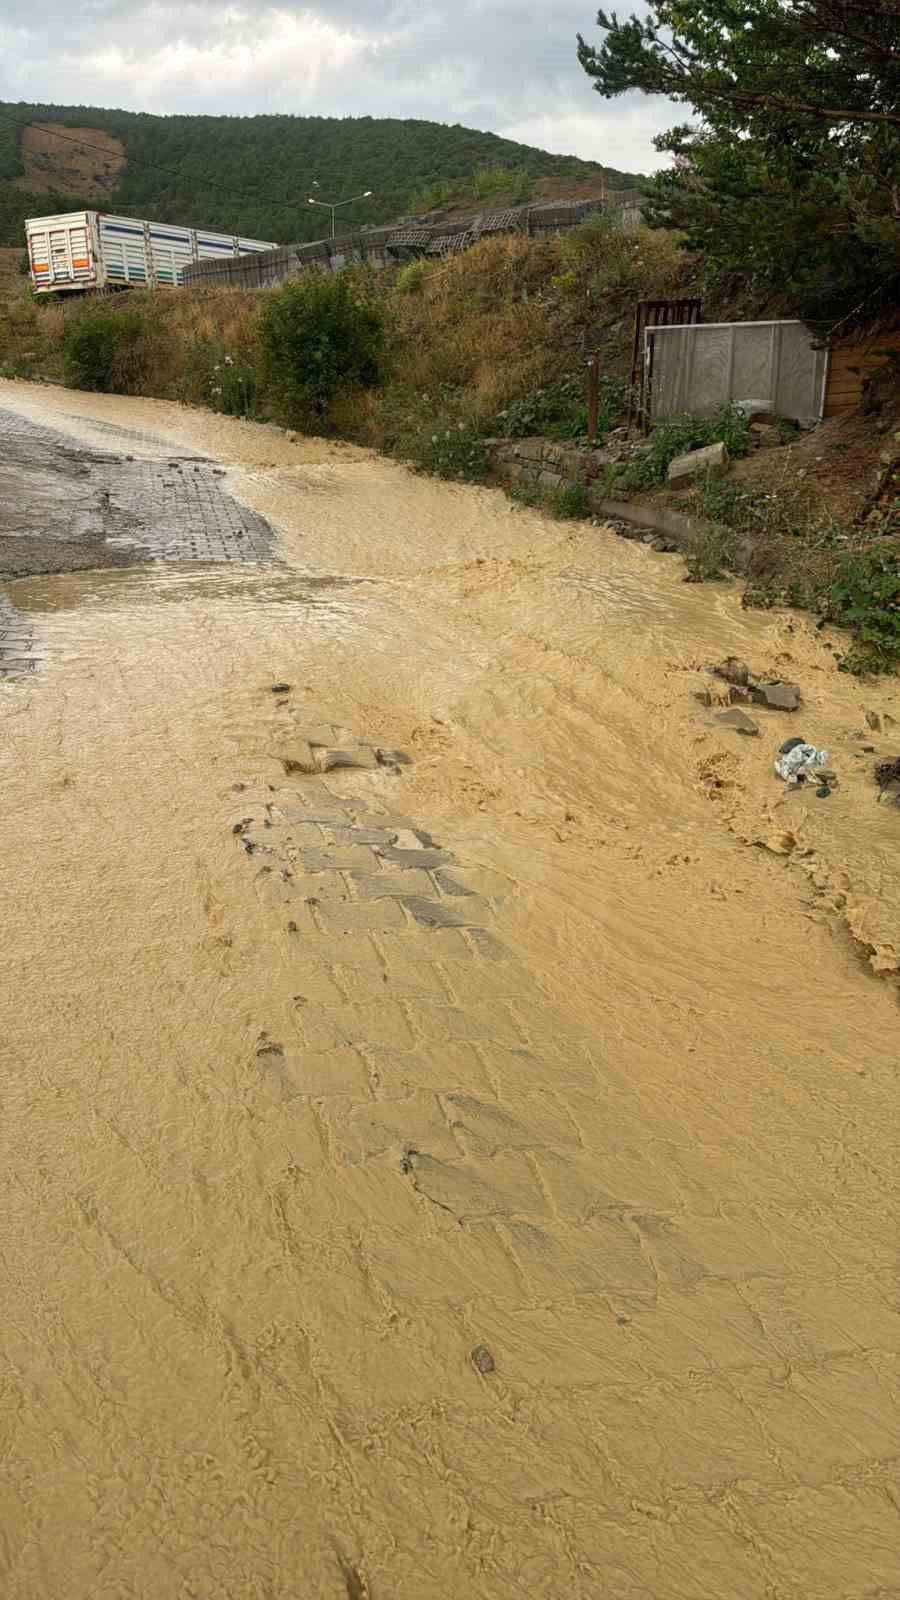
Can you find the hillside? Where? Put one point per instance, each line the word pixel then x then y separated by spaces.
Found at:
pixel 250 175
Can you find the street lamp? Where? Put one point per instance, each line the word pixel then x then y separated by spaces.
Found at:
pixel 327 205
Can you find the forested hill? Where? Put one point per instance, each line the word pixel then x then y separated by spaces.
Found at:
pixel 251 175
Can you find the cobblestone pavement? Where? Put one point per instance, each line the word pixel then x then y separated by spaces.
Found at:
pixel 88 508
pixel 704 1425
pixel 20 652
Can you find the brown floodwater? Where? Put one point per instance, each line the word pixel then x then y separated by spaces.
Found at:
pixel 648 1162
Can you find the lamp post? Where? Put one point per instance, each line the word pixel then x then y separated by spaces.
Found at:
pixel 328 206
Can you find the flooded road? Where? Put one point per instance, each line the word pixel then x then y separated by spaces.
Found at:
pixel 469 1178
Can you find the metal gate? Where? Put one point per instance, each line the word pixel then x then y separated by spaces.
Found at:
pixel 700 368
pixel 654 314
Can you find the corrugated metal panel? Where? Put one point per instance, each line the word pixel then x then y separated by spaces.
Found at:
pixel 701 368
pixel 171 250
pixel 124 250
pixel 60 251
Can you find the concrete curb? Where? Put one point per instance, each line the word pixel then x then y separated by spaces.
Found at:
pixel 657 519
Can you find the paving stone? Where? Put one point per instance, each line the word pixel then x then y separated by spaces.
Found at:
pixel 376 885
pixel 435 914
pixel 315 984
pixel 503 1186
pixel 338 858
pixel 482 980
pixel 396 1074
pixel 288 839
pixel 326 1028
pixel 350 954
pixel 488 1126
pixel 450 884
pixel 362 1131
pixel 556 1263
pixel 351 834
pixel 360 918
pixel 475 1022
pixel 424 944
pixel 329 886
pixel 459 1262
pixel 487 946
pixel 338 1070
pixel 400 980
pixel 276 890
pixel 407 838
pixel 414 858
pixel 515 1069
pixel 292 1137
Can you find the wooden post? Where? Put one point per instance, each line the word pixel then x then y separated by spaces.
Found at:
pixel 593 396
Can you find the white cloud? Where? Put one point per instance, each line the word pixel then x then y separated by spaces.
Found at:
pixel 504 65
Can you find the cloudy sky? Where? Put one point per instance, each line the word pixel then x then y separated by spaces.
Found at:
pixel 504 65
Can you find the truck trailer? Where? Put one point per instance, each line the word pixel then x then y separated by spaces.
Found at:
pixel 92 250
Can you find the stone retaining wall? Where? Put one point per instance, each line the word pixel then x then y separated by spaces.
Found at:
pixel 546 466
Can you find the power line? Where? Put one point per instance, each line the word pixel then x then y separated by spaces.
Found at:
pixel 154 166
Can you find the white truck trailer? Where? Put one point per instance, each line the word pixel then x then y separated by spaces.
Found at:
pixel 91 250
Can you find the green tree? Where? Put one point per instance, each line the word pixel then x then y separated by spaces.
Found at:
pixel 793 174
pixel 318 335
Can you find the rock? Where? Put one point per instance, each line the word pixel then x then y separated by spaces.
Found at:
pixel 360 756
pixel 766 435
pixel 874 721
pixel 823 793
pixel 281 688
pixel 321 733
pixel 685 467
pixel 733 671
pixel 482 1360
pixel 890 795
pixel 738 720
pixel 298 757
pixel 393 758
pixel 887 772
pixel 778 696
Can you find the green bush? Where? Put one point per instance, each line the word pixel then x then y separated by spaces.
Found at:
pixel 454 452
pixel 559 410
pixel 317 336
pixel 676 438
pixel 100 349
pixel 571 501
pixel 225 381
pixel 865 597
pixel 497 179
pixel 411 278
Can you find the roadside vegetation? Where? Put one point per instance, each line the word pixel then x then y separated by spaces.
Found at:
pixel 431 361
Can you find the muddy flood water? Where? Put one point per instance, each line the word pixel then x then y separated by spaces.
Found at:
pixel 466 1179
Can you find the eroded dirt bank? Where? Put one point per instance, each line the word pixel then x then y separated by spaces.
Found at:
pixel 293 1124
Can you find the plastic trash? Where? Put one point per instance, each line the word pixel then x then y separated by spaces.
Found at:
pixel 799 762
